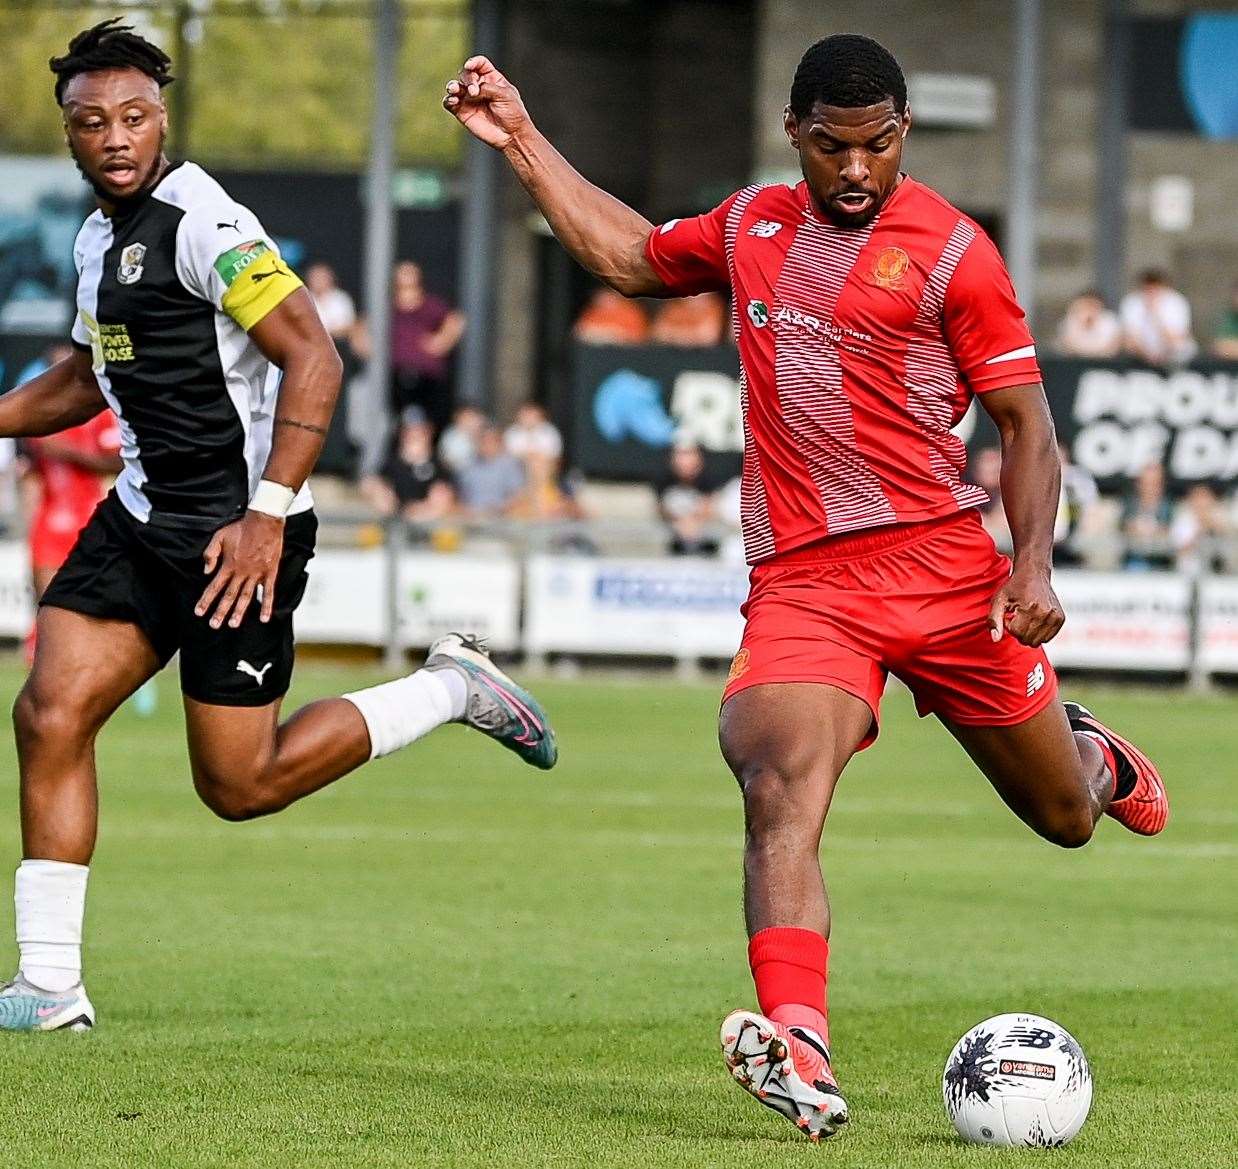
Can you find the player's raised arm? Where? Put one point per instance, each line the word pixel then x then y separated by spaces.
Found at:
pixel 601 233
pixel 64 395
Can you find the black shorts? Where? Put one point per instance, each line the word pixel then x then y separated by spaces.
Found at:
pixel 152 576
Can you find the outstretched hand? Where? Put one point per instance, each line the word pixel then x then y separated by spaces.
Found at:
pixel 244 557
pixel 486 103
pixel 1027 608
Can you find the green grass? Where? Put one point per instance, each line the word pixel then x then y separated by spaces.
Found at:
pixel 449 960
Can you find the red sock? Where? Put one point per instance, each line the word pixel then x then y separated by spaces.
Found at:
pixel 789 969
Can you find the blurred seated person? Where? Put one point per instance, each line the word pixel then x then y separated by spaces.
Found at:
pixel 986 472
pixel 1078 497
pixel 1225 342
pixel 1156 322
pixel 457 445
pixel 544 496
pixel 532 433
pixel 1146 515
pixel 611 319
pixel 685 503
pixel 491 483
pixel 411 483
pixel 690 321
pixel 1199 521
pixel 1089 329
pixel 334 305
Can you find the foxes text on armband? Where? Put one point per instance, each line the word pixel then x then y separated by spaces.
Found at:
pixel 167 291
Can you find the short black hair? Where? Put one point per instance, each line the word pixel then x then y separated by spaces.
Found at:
pixel 110 45
pixel 847 71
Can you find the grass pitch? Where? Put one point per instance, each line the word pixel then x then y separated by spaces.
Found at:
pixel 449 959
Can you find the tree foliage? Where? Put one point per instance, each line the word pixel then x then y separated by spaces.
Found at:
pixel 271 83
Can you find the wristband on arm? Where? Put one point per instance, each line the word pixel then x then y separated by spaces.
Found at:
pixel 273 499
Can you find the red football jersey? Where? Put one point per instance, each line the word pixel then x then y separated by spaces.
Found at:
pixel 70 493
pixel 859 349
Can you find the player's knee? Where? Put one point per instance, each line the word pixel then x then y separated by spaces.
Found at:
pixel 46 720
pixel 233 802
pixel 1068 827
pixel 771 804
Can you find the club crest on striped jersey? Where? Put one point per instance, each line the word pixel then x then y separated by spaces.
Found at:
pixel 758 313
pixel 131 268
pixel 890 267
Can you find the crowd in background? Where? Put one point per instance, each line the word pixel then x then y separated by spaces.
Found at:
pixel 447 462
pixel 1153 324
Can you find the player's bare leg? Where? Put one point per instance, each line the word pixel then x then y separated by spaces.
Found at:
pixel 1057 780
pixel 247 764
pixel 787 744
pixel 84 668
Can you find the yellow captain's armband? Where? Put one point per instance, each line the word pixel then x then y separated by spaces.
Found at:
pixel 256 280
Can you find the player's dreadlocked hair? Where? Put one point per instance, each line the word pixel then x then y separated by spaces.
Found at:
pixel 847 71
pixel 110 45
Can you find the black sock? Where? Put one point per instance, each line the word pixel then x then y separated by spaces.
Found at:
pixel 1125 780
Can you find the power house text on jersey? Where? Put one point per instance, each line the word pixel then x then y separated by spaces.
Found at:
pixel 859 349
pixel 166 291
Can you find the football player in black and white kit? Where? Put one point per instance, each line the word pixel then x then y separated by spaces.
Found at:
pixel 193 330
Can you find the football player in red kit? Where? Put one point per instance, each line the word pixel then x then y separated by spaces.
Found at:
pixel 868 313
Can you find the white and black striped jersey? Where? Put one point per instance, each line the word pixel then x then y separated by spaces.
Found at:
pixel 166 291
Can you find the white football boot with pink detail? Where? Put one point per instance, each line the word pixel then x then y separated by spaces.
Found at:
pixel 786 1069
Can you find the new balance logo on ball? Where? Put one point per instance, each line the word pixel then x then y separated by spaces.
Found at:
pixel 765 228
pixel 1035 679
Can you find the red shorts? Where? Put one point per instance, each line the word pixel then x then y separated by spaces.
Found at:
pixel 911 600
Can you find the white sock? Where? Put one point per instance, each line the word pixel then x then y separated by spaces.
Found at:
pixel 396 713
pixel 50 900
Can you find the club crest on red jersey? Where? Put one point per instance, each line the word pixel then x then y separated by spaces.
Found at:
pixel 890 267
pixel 739 666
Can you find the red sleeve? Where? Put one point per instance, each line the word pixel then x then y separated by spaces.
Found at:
pixel 984 325
pixel 689 255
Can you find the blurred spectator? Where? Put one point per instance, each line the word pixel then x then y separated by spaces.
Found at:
pixel 1146 516
pixel 424 331
pixel 411 483
pixel 532 433
pixel 544 496
pixel 1156 322
pixel 1200 520
pixel 690 321
pixel 611 319
pixel 334 305
pixel 1089 329
pixel 727 506
pixel 686 506
pixel 457 447
pixel 1078 498
pixel 1225 343
pixel 986 472
pixel 490 484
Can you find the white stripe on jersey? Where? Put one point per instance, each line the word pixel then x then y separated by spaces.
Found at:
pixel 932 375
pixel 93 242
pixel 754 518
pixel 1013 355
pixel 809 375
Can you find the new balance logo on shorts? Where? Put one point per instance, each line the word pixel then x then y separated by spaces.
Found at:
pixel 1035 679
pixel 245 668
pixel 765 229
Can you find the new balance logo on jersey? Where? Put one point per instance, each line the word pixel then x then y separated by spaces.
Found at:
pixel 765 229
pixel 1035 679
pixel 245 668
